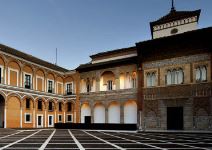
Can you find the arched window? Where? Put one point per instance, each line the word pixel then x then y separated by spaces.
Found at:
pixel 148 80
pixel 153 79
pixel 203 73
pixel 173 73
pixel 169 77
pixel 198 74
pixel 180 76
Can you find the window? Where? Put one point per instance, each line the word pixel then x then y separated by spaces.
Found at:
pixel 27 118
pixel 50 89
pixel 69 106
pixel 27 81
pixel 88 87
pixel 109 85
pixel 27 103
pixel 50 106
pixel 175 76
pixel 69 118
pixel 60 106
pixel 151 77
pixel 69 88
pixel 201 73
pixel 59 118
pixel 40 105
pixel 134 80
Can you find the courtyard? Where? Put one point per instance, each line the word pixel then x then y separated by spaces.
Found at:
pixel 102 140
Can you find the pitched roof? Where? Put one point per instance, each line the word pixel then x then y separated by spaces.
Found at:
pixel 31 58
pixel 176 15
pixel 111 52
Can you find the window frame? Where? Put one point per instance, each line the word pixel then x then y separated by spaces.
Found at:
pixel 67 117
pixel 25 117
pixel 30 83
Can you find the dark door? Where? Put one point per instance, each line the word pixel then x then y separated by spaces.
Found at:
pixel 175 118
pixel 87 119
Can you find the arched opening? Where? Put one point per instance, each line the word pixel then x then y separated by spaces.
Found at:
pixel 130 112
pixel 107 81
pixel 99 113
pixel 114 112
pixel 85 111
pixel 2 106
pixel 13 112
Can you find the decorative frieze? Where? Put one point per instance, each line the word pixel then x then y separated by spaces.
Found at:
pixel 176 61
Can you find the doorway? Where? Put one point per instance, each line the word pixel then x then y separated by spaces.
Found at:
pixel 50 121
pixel 2 105
pixel 175 118
pixel 39 121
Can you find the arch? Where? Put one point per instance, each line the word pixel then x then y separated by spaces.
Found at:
pixel 40 72
pixel 51 76
pixel 130 112
pixel 15 64
pixel 43 102
pixel 69 79
pixel 13 112
pixel 85 111
pixel 2 106
pixel 114 112
pixel 107 81
pixel 27 68
pixel 32 102
pixel 59 79
pixel 2 60
pixel 13 94
pixel 99 113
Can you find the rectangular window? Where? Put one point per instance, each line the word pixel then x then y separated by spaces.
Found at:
pixel 69 105
pixel 69 89
pixel 50 106
pixel 28 118
pixel 27 103
pixel 27 81
pixel 109 85
pixel 50 83
pixel 69 118
pixel 60 106
pixel 59 118
pixel 40 105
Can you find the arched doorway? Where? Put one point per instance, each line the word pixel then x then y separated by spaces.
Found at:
pixel 2 106
pixel 99 113
pixel 114 112
pixel 130 112
pixel 85 111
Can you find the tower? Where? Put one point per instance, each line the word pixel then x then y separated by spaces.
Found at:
pixel 175 22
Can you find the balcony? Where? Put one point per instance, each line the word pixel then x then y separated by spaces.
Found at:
pixel 122 94
pixel 178 91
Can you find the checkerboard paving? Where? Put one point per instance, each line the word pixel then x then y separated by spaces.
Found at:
pixel 61 139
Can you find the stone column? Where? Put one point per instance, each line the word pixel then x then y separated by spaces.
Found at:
pixel 92 112
pixel 21 117
pixel 106 114
pixel 121 112
pixel 5 116
pixel 34 116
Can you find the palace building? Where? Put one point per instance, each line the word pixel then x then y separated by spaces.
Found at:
pixel 159 84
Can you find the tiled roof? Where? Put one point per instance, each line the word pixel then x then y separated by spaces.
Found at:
pixel 31 58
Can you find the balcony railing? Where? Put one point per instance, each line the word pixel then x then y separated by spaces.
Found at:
pixel 178 91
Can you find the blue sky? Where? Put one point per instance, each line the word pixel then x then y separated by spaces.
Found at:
pixel 79 28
